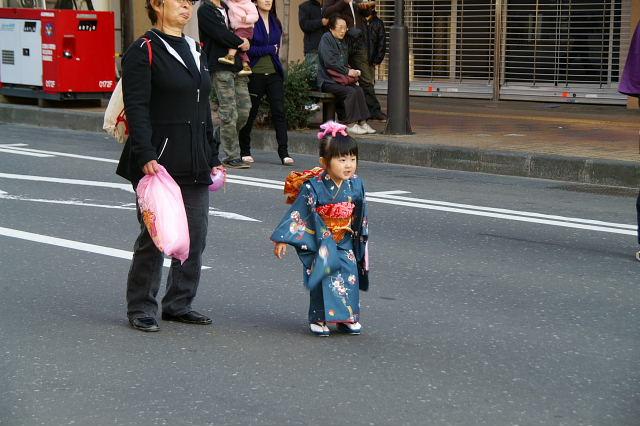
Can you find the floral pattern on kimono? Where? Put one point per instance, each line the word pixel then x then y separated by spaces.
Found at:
pixel 327 226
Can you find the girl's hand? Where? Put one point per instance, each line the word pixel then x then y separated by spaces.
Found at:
pixel 280 250
pixel 218 169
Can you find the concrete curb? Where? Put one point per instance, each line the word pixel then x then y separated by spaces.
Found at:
pixel 555 167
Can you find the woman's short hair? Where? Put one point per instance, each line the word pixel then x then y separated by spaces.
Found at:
pixel 151 13
pixel 338 146
pixel 333 20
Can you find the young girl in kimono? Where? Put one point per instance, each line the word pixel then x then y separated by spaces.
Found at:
pixel 327 225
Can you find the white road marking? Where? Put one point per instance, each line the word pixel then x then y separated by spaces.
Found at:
pixel 393 198
pixel 613 230
pixel 59 154
pixel 30 154
pixel 128 206
pixel 503 211
pixel 75 245
pixel 124 186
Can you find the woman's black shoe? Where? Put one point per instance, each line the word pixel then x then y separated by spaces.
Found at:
pixel 144 324
pixel 192 317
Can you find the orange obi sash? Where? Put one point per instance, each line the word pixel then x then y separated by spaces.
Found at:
pixel 337 217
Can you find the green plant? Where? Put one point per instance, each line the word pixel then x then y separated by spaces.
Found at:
pixel 296 94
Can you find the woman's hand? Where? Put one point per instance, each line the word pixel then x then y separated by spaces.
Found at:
pixel 217 169
pixel 280 250
pixel 354 73
pixel 151 168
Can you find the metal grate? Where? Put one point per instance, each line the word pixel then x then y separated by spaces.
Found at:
pixel 449 40
pixel 547 48
pixel 562 42
pixel 8 57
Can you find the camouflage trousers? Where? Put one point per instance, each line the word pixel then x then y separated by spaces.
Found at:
pixel 234 105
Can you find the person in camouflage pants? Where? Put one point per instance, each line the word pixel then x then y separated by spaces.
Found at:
pixel 234 105
pixel 230 88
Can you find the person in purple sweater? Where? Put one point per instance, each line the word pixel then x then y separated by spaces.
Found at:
pixel 267 79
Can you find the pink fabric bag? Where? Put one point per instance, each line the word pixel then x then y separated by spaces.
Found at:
pixel 162 209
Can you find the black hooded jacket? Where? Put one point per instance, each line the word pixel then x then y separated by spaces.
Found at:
pixel 377 39
pixel 168 113
pixel 217 38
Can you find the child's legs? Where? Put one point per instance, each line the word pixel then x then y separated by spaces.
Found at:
pixel 316 305
pixel 248 34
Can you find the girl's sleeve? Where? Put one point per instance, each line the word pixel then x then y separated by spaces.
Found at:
pixel 361 239
pixel 303 229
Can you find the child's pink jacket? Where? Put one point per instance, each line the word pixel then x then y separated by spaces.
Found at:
pixel 239 9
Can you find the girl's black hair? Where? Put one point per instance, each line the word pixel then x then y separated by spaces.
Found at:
pixel 339 146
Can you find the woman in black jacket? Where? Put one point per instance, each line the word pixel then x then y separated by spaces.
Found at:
pixel 166 97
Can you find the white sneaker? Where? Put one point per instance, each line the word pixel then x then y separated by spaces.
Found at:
pixel 638 256
pixel 356 130
pixel 366 127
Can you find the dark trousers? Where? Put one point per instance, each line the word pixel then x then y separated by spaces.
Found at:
pixel 638 216
pixel 351 103
pixel 272 86
pixel 316 305
pixel 145 273
pixel 359 59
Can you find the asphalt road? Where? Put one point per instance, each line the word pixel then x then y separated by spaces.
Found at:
pixel 517 304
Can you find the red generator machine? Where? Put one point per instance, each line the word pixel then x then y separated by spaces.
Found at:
pixel 57 54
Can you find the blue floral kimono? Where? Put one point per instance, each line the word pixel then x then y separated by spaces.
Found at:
pixel 328 227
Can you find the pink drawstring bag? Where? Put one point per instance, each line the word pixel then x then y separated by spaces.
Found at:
pixel 162 209
pixel 218 178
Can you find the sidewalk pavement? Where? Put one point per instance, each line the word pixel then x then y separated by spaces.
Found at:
pixel 593 144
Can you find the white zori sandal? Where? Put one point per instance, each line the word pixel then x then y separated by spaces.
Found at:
pixel 248 159
pixel 319 329
pixel 350 327
pixel 638 256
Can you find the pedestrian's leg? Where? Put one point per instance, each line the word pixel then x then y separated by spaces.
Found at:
pixel 340 92
pixel 316 305
pixel 359 60
pixel 144 276
pixel 224 84
pixel 183 280
pixel 638 216
pixel 257 88
pixel 243 101
pixel 275 95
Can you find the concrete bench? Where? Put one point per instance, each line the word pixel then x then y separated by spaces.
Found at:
pixel 328 102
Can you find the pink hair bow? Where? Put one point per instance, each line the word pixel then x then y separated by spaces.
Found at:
pixel 332 128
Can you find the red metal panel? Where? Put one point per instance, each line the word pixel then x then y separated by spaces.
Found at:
pixel 78 49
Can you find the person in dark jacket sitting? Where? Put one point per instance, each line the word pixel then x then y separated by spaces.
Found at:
pixel 333 55
pixel 354 13
pixel 166 97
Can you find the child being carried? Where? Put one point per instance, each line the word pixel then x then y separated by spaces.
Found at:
pixel 243 15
